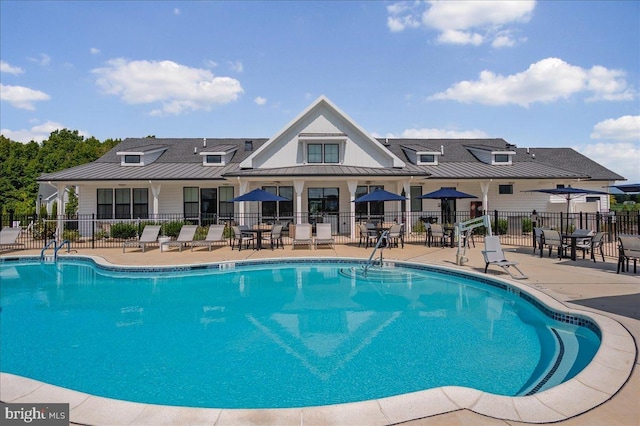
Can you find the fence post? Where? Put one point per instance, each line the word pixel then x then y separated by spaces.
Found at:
pixel 11 218
pixel 495 221
pixel 93 230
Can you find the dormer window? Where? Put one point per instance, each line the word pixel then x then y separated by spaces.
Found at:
pixel 501 158
pixel 132 159
pixel 213 159
pixel 427 158
pixel 218 155
pixel 141 156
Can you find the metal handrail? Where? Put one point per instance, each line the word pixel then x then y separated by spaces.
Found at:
pixel 67 242
pixel 46 247
pixel 369 263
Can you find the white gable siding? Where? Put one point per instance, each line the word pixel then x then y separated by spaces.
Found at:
pixel 288 151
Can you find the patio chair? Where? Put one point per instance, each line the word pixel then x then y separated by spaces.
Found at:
pixel 9 238
pixel 436 233
pixel 396 235
pixel 275 237
pixel 302 235
pixel 584 244
pixel 240 236
pixel 187 233
pixel 367 235
pixel 628 249
pixel 149 236
pixel 537 239
pixel 323 235
pixel 494 255
pixel 551 239
pixel 214 235
pixel 597 241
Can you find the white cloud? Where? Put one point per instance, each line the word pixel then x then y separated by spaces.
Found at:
pixel 623 128
pixel 548 80
pixel 22 97
pixel 426 133
pixel 8 68
pixel 620 157
pixel 176 87
pixel 36 133
pixel 211 64
pixel 236 66
pixel 94 50
pixel 176 11
pixel 462 22
pixel 260 100
pixel 43 60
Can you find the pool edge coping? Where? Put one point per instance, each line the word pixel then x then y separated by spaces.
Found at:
pixel 605 375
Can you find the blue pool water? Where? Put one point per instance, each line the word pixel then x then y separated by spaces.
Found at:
pixel 276 335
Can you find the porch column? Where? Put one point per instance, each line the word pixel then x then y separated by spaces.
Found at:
pixel 298 187
pixel 242 188
pixel 485 192
pixel 406 185
pixel 155 191
pixel 61 216
pixel 353 185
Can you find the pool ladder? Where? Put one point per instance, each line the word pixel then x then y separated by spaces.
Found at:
pixel 381 244
pixel 56 248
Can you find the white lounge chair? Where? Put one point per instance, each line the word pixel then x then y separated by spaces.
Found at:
pixel 186 235
pixel 9 238
pixel 302 235
pixel 494 255
pixel 323 235
pixel 215 235
pixel 149 236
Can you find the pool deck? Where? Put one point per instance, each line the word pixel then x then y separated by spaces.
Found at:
pixel 577 286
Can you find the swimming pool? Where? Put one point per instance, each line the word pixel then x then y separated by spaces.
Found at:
pixel 280 334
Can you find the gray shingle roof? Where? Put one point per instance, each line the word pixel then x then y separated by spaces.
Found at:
pixel 180 162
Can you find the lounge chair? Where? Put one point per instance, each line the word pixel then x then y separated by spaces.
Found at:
pixel 9 238
pixel 215 235
pixel 628 249
pixel 274 237
pixel 187 233
pixel 396 235
pixel 494 255
pixel 551 239
pixel 367 235
pixel 323 235
pixel 302 235
pixel 241 237
pixel 149 236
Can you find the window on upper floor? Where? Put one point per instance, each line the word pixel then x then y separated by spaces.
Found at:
pixel 319 153
pixel 132 159
pixel 427 158
pixel 501 158
pixel 213 159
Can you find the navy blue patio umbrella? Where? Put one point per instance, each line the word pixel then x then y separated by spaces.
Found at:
pixel 628 187
pixel 446 193
pixel 378 195
pixel 260 195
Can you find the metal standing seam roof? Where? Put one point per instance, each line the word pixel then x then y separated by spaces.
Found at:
pixel 182 161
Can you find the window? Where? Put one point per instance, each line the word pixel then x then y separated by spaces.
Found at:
pixel 560 186
pixel 226 205
pixel 190 201
pixel 214 159
pixel 427 158
pixel 123 203
pixel 132 159
pixel 140 203
pixel 208 202
pixel 364 210
pixel 323 200
pixel 505 189
pixel 416 203
pixel 318 153
pixel 278 209
pixel 592 199
pixel 105 203
pixel 502 158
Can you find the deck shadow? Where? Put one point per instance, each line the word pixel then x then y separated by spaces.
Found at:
pixel 627 305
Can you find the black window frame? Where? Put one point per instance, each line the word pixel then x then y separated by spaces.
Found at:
pixel 505 189
pixel 132 159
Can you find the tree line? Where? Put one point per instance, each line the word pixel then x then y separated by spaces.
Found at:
pixel 21 164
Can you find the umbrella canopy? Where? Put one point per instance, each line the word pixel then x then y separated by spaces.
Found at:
pixel 379 195
pixel 446 193
pixel 628 188
pixel 260 195
pixel 568 193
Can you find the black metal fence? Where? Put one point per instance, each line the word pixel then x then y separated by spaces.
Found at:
pixel 514 228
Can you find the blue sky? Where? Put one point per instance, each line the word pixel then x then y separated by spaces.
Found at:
pixel 538 74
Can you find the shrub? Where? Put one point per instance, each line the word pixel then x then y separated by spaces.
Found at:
pixel 502 227
pixel 527 225
pixel 71 235
pixel 419 227
pixel 124 230
pixel 172 229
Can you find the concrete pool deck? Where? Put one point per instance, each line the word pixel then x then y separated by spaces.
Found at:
pixel 577 286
